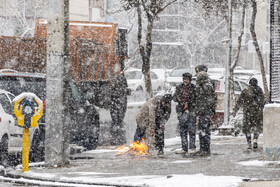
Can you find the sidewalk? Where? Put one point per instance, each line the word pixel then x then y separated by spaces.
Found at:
pixel 229 165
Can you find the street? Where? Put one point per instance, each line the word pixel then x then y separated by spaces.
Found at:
pixel 229 161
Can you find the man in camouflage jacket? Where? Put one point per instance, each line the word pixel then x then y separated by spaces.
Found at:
pixel 205 107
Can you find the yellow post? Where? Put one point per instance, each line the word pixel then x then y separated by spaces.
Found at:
pixel 25 150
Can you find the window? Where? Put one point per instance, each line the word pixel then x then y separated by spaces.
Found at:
pixel 237 86
pixel 243 85
pixel 133 75
pixel 153 76
pixel 4 101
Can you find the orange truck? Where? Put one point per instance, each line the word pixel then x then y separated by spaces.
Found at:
pixel 97 56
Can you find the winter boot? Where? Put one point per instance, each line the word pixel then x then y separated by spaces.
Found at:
pixel 255 144
pixel 249 146
pixel 192 152
pixel 181 152
pixel 160 152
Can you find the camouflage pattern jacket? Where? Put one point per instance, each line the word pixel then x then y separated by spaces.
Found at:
pixel 205 95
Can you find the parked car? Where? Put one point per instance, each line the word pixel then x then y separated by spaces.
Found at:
pixel 175 76
pixel 245 74
pixel 85 125
pixel 216 72
pixel 136 81
pixel 219 85
pixel 11 133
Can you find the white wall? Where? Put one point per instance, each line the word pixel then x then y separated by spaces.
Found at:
pixel 79 10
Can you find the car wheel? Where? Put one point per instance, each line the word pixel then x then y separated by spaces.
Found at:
pixel 4 151
pixel 139 89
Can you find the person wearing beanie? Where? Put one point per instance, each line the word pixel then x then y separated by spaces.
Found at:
pixel 151 120
pixel 185 97
pixel 205 107
pixel 252 101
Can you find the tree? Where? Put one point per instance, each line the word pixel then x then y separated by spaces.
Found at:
pixel 258 51
pixel 147 12
pixel 199 33
pixel 235 60
pixel 220 7
pixel 18 17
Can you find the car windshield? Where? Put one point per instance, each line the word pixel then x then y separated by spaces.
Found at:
pixel 178 72
pixel 133 75
pixel 18 85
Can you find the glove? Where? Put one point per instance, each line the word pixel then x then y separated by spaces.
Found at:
pixel 152 132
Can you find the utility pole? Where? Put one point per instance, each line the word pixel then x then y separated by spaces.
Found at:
pixel 57 114
pixel 228 64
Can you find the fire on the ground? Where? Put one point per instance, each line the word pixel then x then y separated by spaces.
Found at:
pixel 136 148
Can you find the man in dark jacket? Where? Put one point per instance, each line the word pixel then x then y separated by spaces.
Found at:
pixel 252 100
pixel 205 107
pixel 151 120
pixel 185 97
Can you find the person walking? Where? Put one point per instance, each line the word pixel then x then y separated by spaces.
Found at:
pixel 205 106
pixel 151 120
pixel 252 101
pixel 185 97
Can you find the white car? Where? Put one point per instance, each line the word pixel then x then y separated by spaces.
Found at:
pixel 175 77
pixel 10 133
pixel 245 74
pixel 136 81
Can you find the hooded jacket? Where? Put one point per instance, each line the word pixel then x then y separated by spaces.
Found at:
pixel 252 100
pixel 205 95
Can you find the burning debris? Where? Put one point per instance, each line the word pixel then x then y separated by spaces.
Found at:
pixel 136 148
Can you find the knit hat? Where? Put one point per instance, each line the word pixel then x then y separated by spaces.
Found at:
pixel 188 76
pixel 200 68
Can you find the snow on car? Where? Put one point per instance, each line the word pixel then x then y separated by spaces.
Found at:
pixel 175 76
pixel 136 81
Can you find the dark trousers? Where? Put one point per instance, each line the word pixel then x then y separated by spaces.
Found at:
pixel 249 139
pixel 159 137
pixel 187 123
pixel 139 134
pixel 204 132
pixel 117 128
pixel 117 115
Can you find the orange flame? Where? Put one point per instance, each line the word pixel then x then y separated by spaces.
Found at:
pixel 136 148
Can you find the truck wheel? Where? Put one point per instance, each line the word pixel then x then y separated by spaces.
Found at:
pixel 4 151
